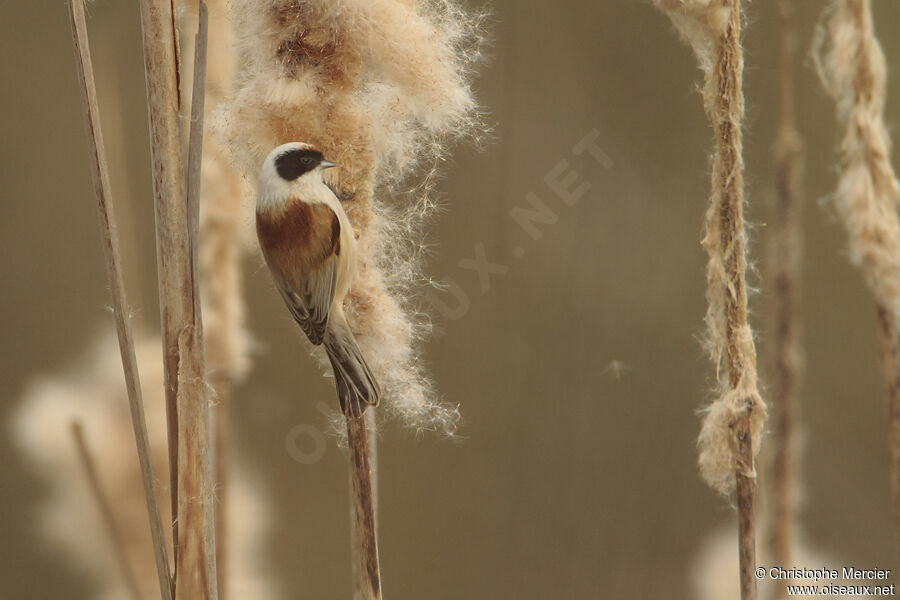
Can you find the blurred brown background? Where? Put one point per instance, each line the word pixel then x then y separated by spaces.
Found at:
pixel 574 478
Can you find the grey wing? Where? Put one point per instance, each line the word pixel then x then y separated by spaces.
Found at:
pixel 310 305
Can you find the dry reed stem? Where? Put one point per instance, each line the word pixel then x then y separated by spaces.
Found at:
pixel 852 68
pixel 364 543
pixel 110 239
pixel 712 28
pixel 223 240
pixel 727 295
pixel 744 494
pixel 87 461
pixel 359 576
pixel 732 427
pixel 222 391
pixel 196 556
pixel 172 250
pixel 784 260
pixel 195 153
pixel 372 427
pixel 890 370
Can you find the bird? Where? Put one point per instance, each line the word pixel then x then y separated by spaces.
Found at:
pixel 309 247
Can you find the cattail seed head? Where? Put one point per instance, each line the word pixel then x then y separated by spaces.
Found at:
pixel 379 87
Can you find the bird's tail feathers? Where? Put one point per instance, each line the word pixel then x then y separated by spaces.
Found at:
pixel 356 387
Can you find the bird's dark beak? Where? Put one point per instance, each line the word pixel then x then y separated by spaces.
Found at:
pixel 327 164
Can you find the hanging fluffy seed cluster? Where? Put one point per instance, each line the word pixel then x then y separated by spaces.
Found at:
pixel 710 27
pixel 380 86
pixel 851 66
pixel 69 519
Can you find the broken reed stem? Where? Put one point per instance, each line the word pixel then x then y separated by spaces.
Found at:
pixel 890 370
pixel 364 543
pixel 784 260
pixel 110 243
pixel 172 250
pixel 196 557
pixel 100 497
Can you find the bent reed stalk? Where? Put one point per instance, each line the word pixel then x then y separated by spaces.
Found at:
pixel 732 427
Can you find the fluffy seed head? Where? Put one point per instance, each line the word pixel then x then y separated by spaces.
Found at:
pixel 379 86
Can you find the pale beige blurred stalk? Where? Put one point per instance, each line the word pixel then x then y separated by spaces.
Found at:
pixel 732 428
pixel 108 515
pixel 852 68
pixel 784 262
pixel 90 390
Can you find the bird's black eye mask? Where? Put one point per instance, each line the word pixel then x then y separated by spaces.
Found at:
pixel 294 163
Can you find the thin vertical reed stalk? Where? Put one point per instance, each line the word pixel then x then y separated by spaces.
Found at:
pixel 744 495
pixel 364 543
pixel 725 220
pixel 100 497
pixel 220 425
pixel 372 427
pixel 110 239
pixel 785 258
pixel 185 368
pixel 172 251
pixel 223 237
pixel 890 372
pixel 852 68
pixel 196 558
pixel 732 427
pixel 359 575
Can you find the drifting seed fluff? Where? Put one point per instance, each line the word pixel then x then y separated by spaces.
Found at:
pixel 709 28
pixel 380 87
pixel 93 393
pixel 851 66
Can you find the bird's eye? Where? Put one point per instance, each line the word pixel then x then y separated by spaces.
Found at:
pixel 307 160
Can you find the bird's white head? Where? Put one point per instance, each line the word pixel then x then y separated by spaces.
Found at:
pixel 292 170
